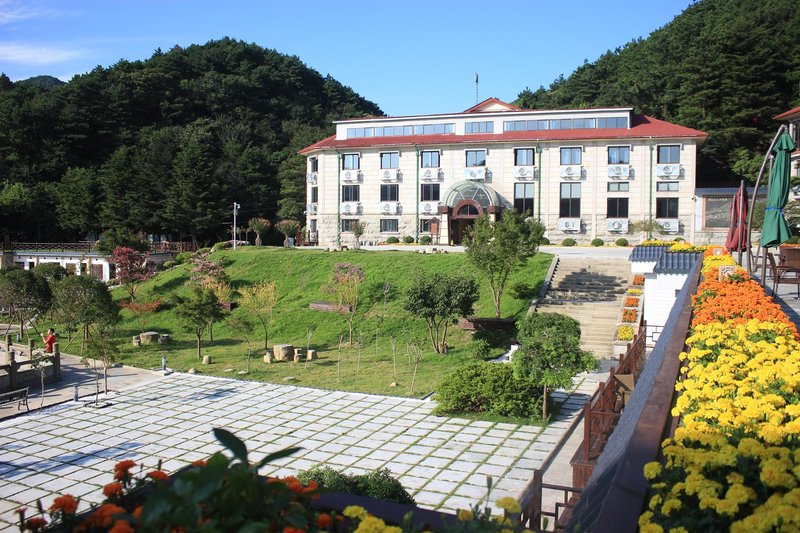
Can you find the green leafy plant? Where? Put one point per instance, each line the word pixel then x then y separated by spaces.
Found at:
pixel 544 240
pixel 425 239
pixel 480 348
pixel 569 241
pixel 378 484
pixel 598 242
pixel 392 240
pixel 408 239
pixel 621 242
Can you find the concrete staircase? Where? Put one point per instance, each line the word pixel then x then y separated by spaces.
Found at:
pixel 591 291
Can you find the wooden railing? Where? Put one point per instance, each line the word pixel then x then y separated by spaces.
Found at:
pixel 534 515
pixel 85 247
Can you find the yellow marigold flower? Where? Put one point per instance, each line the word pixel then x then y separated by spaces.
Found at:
pixel 680 529
pixel 371 524
pixel 392 529
pixel 651 528
pixel 672 504
pixel 509 504
pixel 652 470
pixel 355 512
pixel 503 520
pixel 465 515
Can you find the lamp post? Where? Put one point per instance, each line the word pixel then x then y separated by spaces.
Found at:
pixel 235 212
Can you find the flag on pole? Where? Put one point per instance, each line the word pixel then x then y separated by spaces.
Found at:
pixel 476 77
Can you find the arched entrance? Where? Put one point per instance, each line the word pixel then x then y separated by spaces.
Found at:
pixel 466 201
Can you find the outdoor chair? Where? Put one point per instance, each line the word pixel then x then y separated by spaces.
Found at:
pixel 785 275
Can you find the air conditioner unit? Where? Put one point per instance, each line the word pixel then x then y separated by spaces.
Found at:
pixel 349 175
pixel 617 225
pixel 618 171
pixel 386 176
pixel 475 173
pixel 351 208
pixel 569 224
pixel 524 173
pixel 312 178
pixel 669 171
pixel 669 225
pixel 311 209
pixel 429 208
pixel 312 236
pixel 430 174
pixel 571 172
pixel 347 208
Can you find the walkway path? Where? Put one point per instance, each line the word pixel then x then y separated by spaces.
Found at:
pixel 442 461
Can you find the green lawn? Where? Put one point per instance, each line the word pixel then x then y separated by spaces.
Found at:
pixel 299 274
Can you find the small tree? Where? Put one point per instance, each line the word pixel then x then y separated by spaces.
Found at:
pixel 23 296
pixel 131 269
pixel 259 301
pixel 198 312
pixel 83 301
pixel 647 227
pixel 344 286
pixel 259 226
pixel 358 230
pixel 104 347
pixel 440 300
pixel 244 327
pixel 39 362
pixel 141 311
pixel 551 354
pixel 289 228
pixel 498 248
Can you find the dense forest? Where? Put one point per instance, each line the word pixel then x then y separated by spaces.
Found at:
pixel 723 66
pixel 164 145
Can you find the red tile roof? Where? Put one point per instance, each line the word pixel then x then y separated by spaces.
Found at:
pixel 787 114
pixel 642 126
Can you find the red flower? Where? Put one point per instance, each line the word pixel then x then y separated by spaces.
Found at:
pixel 121 526
pixel 324 520
pixel 102 516
pixel 35 524
pixel 113 490
pixel 289 529
pixel 122 470
pixel 158 475
pixel 199 463
pixel 66 504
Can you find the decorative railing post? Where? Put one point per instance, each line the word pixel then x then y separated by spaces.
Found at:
pixel 56 362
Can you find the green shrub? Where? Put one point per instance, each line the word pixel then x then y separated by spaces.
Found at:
pixel 598 242
pixel 378 484
pixel 408 239
pixel 169 264
pixel 183 257
pixel 561 326
pixel 201 251
pixel 544 240
pixel 621 242
pixel 392 240
pixel 222 245
pixel 425 239
pixel 480 348
pixel 521 290
pixel 569 241
pixel 491 388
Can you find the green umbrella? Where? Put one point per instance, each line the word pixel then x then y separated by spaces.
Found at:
pixel 775 230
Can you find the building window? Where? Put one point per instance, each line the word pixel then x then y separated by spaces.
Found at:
pixel 619 155
pixel 613 122
pixel 523 157
pixel 312 224
pixel 313 164
pixel 425 225
pixel 523 197
pixel 666 208
pixel 390 193
pixel 717 212
pixel 570 205
pixel 476 158
pixel 430 159
pixel 398 131
pixel 314 195
pixel 348 223
pixel 617 208
pixel 479 127
pixel 669 154
pixel 389 225
pixel 618 186
pixel 429 192
pixel 390 160
pixel 351 161
pixel 667 186
pixel 350 193
pixel 571 156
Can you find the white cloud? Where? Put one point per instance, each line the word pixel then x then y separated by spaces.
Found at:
pixel 14 11
pixel 35 54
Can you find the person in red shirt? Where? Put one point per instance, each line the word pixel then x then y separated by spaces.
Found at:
pixel 49 341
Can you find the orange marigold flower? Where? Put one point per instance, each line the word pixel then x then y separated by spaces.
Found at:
pixel 35 524
pixel 199 462
pixel 113 490
pixel 158 475
pixel 121 526
pixel 289 529
pixel 324 520
pixel 103 516
pixel 66 504
pixel 137 513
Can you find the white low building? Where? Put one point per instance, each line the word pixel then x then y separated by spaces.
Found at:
pixel 585 173
pixel 91 263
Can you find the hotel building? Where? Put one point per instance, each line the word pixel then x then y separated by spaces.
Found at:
pixel 585 173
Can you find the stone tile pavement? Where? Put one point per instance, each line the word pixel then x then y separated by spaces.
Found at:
pixel 443 462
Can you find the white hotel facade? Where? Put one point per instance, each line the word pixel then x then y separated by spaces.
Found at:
pixel 585 173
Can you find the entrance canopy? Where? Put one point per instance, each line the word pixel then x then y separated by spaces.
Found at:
pixel 472 190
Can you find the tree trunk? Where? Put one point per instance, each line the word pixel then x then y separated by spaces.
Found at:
pixel 433 339
pixel 544 402
pixel 105 377
pixel 496 295
pixel 258 239
pixel 211 331
pixel 198 333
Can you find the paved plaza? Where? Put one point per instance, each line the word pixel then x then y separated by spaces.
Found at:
pixel 443 462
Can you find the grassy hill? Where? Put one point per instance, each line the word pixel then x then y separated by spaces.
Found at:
pixel 299 275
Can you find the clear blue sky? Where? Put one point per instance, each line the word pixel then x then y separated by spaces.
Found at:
pixel 410 57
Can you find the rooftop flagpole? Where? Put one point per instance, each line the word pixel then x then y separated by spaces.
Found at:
pixel 476 88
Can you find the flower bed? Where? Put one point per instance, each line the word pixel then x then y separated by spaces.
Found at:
pixel 631 301
pixel 734 461
pixel 638 280
pixel 629 315
pixel 634 292
pixel 625 333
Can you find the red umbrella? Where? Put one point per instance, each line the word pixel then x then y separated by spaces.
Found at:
pixel 737 233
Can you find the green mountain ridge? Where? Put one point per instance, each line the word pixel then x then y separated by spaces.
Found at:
pixel 725 67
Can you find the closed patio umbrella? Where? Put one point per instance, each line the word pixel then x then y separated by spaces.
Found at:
pixel 737 233
pixel 775 230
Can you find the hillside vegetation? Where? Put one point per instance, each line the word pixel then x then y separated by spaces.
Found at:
pixel 299 275
pixel 722 66
pixel 164 145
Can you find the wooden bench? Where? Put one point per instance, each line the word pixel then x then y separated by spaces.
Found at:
pixel 20 396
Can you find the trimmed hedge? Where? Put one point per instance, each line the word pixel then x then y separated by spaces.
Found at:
pixel 425 239
pixel 408 239
pixel 569 241
pixel 598 242
pixel 392 240
pixel 621 242
pixel 378 484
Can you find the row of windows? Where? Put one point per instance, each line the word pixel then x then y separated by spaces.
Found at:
pixel 617 155
pixel 523 192
pixel 387 225
pixel 401 131
pixel 570 204
pixel 565 124
pixel 479 127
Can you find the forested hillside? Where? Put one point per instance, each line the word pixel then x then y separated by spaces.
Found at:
pixel 164 145
pixel 723 66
